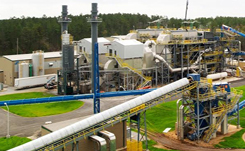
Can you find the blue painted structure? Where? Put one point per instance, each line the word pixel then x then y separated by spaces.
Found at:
pixel 75 97
pixel 224 27
pixel 241 106
pixel 96 79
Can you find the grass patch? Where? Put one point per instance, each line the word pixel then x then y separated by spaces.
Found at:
pixel 40 109
pixel 151 147
pixel 241 88
pixel 234 141
pixel 29 95
pixel 161 116
pixel 13 141
pixel 44 109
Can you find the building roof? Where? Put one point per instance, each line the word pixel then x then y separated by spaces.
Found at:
pixel 129 42
pixel 55 54
pixel 100 39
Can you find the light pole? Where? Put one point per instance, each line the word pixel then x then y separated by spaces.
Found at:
pixel 7 136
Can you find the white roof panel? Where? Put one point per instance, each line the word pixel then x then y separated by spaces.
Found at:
pixel 55 54
pixel 100 39
pixel 129 42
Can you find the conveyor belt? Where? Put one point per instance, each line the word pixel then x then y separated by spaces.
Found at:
pixel 98 122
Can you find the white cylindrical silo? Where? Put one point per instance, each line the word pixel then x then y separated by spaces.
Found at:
pixel 38 63
pixel 23 70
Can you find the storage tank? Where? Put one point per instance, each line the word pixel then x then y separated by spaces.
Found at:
pixel 23 70
pixel 38 63
pixel 1 86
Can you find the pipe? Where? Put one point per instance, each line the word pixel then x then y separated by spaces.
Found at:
pixel 178 130
pixel 75 97
pixel 175 69
pixel 100 117
pixel 217 75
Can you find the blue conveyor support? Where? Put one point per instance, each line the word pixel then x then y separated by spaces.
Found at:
pixel 75 97
pixel 241 106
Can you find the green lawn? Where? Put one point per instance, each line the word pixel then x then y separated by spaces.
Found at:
pixel 234 141
pixel 44 109
pixel 161 116
pixel 13 141
pixel 39 109
pixel 29 95
pixel 241 88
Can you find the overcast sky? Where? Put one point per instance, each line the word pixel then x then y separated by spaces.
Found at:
pixel 170 8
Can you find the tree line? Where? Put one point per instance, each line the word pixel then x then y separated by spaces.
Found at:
pixel 45 33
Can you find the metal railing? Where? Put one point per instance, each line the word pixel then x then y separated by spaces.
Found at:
pixel 222 110
pixel 126 65
pixel 83 134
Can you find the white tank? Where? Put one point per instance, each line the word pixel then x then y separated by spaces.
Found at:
pixel 1 86
pixel 38 63
pixel 217 75
pixel 23 70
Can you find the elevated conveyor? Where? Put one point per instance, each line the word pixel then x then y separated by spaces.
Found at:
pixel 87 127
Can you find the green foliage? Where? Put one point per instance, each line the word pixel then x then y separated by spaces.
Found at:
pixel 29 95
pixel 44 109
pixel 44 33
pixel 13 141
pixel 234 141
pixel 161 117
pixel 151 147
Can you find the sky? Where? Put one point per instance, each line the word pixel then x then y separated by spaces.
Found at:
pixel 170 8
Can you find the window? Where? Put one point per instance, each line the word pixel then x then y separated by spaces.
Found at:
pixel 115 52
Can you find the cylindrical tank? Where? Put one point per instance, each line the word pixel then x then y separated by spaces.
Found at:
pixel 217 75
pixel 1 86
pixel 23 70
pixel 38 63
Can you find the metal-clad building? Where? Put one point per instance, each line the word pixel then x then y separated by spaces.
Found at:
pixel 10 65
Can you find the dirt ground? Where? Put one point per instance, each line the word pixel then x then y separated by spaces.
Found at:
pixel 173 137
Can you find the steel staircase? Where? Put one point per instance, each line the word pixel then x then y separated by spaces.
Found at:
pixel 222 110
pixel 134 70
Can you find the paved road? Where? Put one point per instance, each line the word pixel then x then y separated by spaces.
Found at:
pixel 28 126
pixel 21 126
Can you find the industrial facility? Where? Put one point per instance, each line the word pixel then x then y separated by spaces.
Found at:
pixel 181 63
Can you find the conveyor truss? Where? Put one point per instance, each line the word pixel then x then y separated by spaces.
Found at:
pixel 83 134
pixel 134 70
pixel 222 111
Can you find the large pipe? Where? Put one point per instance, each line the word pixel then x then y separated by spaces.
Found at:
pixel 75 97
pixel 175 69
pixel 217 75
pixel 100 117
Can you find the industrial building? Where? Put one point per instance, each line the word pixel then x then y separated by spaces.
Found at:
pixel 11 65
pixel 185 61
